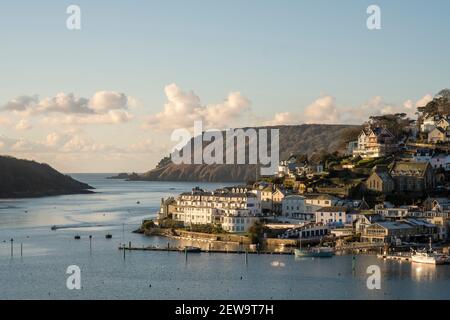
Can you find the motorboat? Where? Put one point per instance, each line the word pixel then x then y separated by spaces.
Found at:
pixel 428 256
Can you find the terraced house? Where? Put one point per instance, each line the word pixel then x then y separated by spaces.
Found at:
pixel 236 208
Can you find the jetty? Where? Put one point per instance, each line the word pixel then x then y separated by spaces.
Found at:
pixel 399 256
pixel 181 249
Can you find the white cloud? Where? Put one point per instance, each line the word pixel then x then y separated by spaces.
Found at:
pixel 104 101
pixel 183 108
pixel 423 101
pixel 284 118
pixel 323 110
pixel 23 124
pixel 111 117
pixel 105 107
pixel 4 121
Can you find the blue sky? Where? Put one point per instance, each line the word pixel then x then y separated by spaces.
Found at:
pixel 281 55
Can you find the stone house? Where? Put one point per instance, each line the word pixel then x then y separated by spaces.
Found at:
pixel 413 176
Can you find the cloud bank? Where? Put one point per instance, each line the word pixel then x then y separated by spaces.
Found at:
pixel 183 108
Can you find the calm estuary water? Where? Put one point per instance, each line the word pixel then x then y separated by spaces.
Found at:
pixel 41 272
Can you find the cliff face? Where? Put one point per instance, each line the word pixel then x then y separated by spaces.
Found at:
pixel 23 178
pixel 303 139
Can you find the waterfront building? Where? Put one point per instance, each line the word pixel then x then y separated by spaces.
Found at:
pixel 202 207
pixel 363 220
pixel 398 231
pixel 294 207
pixel 387 232
pixel 166 208
pixel 310 231
pixel 334 216
pixel 237 223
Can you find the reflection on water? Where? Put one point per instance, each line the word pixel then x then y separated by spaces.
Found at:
pixel 277 264
pixel 424 272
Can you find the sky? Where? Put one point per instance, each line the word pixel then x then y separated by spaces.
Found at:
pixel 106 98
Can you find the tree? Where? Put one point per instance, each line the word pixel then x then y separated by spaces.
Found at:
pixel 256 231
pixel 444 93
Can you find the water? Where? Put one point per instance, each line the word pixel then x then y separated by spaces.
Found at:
pixel 41 272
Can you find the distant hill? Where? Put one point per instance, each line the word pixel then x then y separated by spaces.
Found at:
pixel 300 139
pixel 23 179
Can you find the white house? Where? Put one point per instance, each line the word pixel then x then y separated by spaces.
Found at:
pixel 202 207
pixel 237 223
pixel 428 124
pixel 315 202
pixel 293 207
pixel 333 216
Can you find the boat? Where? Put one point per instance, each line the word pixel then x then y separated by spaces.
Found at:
pixel 77 237
pixel 108 236
pixel 191 249
pixel 428 256
pixel 315 252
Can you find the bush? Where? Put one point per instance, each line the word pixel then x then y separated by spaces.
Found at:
pixel 170 224
pixel 147 224
pixel 206 228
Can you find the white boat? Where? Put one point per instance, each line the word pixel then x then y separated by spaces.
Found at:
pixel 428 256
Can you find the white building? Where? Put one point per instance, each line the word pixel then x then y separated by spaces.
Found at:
pixel 391 213
pixel 233 223
pixel 202 207
pixel 333 216
pixel 294 207
pixel 375 142
pixel 429 124
pixel 315 202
